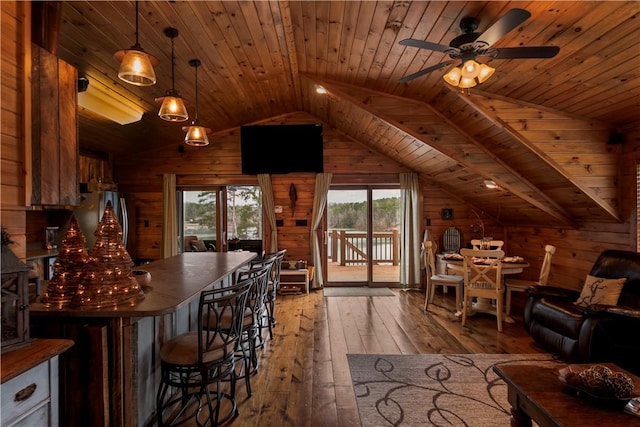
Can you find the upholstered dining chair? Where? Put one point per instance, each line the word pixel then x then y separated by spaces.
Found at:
pixel 519 285
pixel 192 362
pixel 434 279
pixel 483 279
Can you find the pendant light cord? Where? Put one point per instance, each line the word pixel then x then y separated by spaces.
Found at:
pixel 195 119
pixel 137 23
pixel 173 81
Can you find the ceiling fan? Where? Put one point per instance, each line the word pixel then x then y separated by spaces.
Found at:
pixel 467 46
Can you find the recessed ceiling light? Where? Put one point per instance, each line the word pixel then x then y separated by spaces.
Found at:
pixel 321 90
pixel 490 184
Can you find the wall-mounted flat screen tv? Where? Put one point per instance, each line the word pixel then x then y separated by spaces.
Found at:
pixel 280 149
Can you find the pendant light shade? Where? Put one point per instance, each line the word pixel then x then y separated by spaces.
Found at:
pixel 136 66
pixel 172 108
pixel 196 134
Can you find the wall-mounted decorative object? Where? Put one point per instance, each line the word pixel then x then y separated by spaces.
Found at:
pixel 446 213
pixel 293 198
pixel 277 209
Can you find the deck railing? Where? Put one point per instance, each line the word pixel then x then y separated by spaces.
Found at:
pixel 349 247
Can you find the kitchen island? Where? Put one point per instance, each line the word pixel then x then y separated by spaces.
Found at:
pixel 111 375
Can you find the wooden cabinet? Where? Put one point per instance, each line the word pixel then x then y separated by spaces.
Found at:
pixel 54 114
pixel 29 387
pixel 295 281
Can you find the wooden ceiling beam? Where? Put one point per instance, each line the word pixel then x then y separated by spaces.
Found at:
pixel 523 189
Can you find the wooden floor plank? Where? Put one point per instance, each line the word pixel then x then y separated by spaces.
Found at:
pixel 303 377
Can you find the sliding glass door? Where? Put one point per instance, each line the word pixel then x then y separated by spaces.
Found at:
pixel 363 224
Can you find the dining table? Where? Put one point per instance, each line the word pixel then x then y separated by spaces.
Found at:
pixel 510 265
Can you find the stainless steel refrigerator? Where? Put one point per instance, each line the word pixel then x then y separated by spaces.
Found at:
pixel 91 209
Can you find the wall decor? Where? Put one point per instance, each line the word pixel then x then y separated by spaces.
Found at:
pixel 446 213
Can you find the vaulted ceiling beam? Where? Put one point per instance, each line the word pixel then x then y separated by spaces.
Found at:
pixel 516 184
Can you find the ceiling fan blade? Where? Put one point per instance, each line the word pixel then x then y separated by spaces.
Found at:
pixel 421 44
pixel 425 71
pixel 502 26
pixel 527 52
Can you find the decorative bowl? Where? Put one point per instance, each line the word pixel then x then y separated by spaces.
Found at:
pixel 142 277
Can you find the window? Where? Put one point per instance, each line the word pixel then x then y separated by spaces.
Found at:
pixel 218 215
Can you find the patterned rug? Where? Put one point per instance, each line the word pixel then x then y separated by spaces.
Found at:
pixel 433 389
pixel 357 291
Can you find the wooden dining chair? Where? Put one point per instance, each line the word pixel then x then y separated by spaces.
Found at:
pixel 434 279
pixel 520 285
pixel 483 279
pixel 493 244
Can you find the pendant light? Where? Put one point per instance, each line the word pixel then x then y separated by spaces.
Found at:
pixel 172 108
pixel 136 66
pixel 196 134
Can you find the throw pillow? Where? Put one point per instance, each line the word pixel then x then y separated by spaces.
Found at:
pixel 199 246
pixel 597 290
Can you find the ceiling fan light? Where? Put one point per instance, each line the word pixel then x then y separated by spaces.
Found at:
pixel 453 76
pixel 172 108
pixel 467 82
pixel 485 73
pixel 136 67
pixel 470 69
pixel 196 135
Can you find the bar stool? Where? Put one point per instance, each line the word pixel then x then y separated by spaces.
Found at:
pixel 274 287
pixel 250 332
pixel 192 362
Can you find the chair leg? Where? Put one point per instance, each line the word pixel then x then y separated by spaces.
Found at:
pixel 508 302
pixel 427 297
pixel 499 313
pixel 465 307
pixel 459 290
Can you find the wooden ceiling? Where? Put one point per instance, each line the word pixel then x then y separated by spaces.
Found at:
pixel 538 127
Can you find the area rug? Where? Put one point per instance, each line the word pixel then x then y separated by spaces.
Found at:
pixel 358 291
pixel 432 389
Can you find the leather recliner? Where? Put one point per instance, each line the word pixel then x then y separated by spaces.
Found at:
pixel 597 333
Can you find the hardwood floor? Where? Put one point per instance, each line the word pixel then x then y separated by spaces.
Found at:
pixel 303 378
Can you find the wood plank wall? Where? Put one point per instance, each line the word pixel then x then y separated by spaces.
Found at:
pixel 219 163
pixel 15 27
pixel 578 247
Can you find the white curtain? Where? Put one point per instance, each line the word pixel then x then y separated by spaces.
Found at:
pixel 410 236
pixel 268 206
pixel 323 180
pixel 169 217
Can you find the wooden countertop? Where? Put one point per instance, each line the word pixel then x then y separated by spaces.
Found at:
pixel 174 282
pixel 41 253
pixel 15 362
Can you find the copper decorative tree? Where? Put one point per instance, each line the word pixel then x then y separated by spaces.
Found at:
pixel 108 278
pixel 68 268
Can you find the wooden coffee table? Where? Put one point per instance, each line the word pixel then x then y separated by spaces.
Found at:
pixel 536 393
